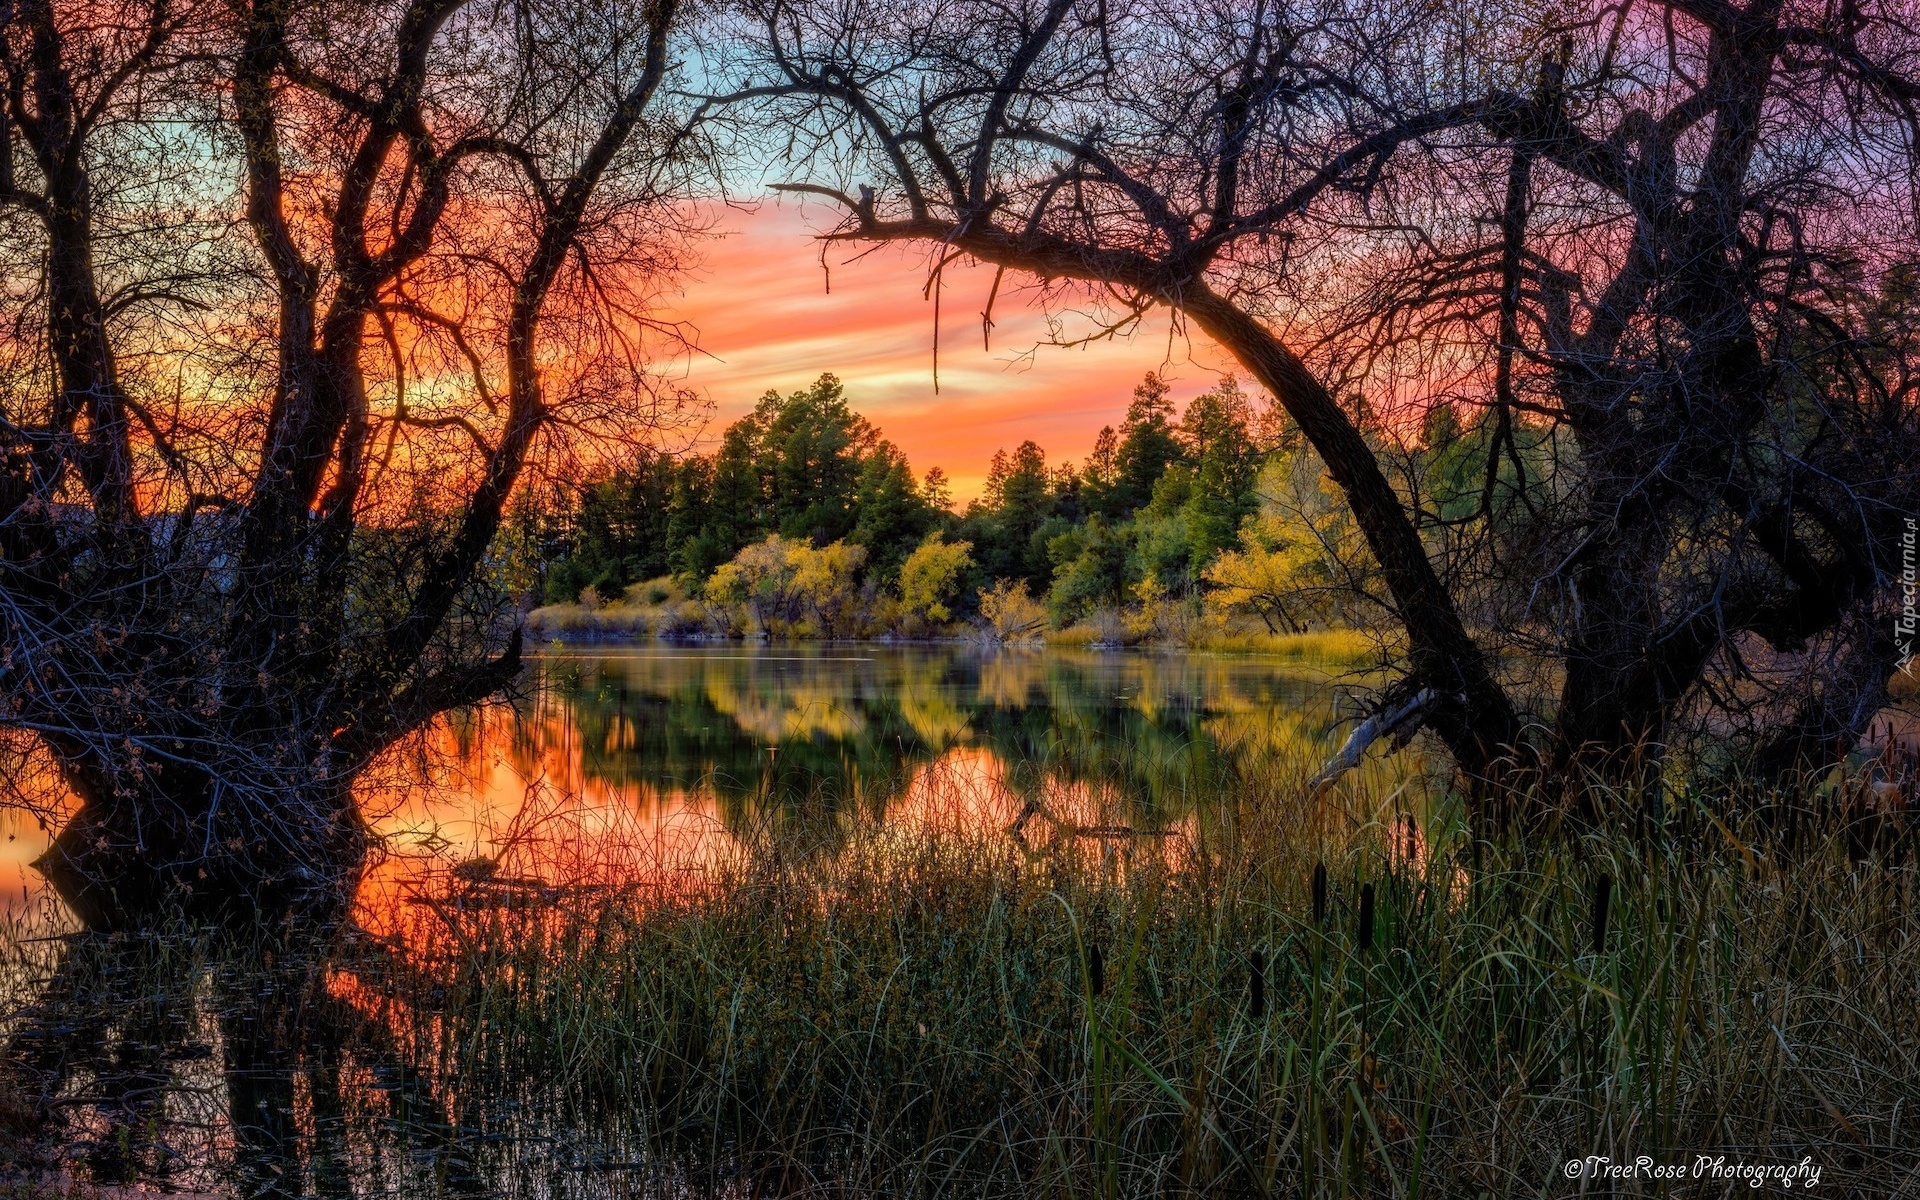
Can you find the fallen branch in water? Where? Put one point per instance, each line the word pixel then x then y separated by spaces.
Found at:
pixel 1398 723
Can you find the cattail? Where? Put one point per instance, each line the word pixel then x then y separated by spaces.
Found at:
pixel 1257 984
pixel 1602 897
pixel 1366 916
pixel 1096 970
pixel 1319 893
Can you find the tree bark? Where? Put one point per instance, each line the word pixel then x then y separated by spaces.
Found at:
pixel 122 861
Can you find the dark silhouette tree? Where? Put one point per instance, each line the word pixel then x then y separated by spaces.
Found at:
pixel 1652 231
pixel 236 566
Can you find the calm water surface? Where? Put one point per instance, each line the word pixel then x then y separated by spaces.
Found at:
pixel 617 767
pixel 699 749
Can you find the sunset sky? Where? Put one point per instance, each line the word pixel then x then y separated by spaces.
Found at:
pixel 765 318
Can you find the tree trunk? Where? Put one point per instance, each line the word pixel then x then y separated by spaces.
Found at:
pixel 1474 716
pixel 148 841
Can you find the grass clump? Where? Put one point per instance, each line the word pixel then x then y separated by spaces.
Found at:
pixel 653 608
pixel 1269 1009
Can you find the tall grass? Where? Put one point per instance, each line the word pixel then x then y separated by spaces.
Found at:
pixel 952 1014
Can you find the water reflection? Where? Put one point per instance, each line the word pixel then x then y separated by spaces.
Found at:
pixel 260 1067
pixel 655 764
pixel 782 731
pixel 227 1064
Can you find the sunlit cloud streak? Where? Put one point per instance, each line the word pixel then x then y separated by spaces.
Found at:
pixel 766 315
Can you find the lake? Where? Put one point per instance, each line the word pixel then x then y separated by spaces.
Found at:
pixel 688 750
pixel 628 771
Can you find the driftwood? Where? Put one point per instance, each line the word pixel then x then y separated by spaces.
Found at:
pixel 1399 723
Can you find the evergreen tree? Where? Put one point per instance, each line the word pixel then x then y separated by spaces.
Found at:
pixel 937 491
pixel 1102 471
pixel 736 497
pixel 811 454
pixel 1162 534
pixel 1147 447
pixel 694 552
pixel 1002 525
pixel 1094 568
pixel 1217 433
pixel 890 514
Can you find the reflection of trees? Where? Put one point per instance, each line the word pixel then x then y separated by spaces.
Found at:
pixel 769 746
pixel 1164 736
pixel 124 1057
pixel 805 736
pixel 103 1019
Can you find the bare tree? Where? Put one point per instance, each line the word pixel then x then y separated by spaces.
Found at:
pixel 1637 236
pixel 233 576
pixel 1695 277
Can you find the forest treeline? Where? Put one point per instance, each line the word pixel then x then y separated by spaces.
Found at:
pixel 806 521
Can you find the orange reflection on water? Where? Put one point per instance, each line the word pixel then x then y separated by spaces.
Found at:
pixel 26 832
pixel 962 791
pixel 22 839
pixel 505 812
pixel 657 770
pixel 969 792
pixel 511 821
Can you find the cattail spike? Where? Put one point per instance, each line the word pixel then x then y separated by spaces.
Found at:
pixel 1602 898
pixel 1319 893
pixel 1366 916
pixel 1096 970
pixel 1257 984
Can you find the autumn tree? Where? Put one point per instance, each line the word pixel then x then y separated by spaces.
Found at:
pixel 931 574
pixel 1299 558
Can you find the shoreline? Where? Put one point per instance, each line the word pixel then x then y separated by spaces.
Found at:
pixel 568 625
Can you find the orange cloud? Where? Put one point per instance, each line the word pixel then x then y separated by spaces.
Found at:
pixel 767 316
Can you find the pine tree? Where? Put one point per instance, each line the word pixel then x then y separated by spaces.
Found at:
pixel 811 455
pixel 890 516
pixel 1148 446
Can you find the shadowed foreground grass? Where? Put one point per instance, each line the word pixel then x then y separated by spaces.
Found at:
pixel 1269 1010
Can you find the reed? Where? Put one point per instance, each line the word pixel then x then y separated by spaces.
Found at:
pixel 1278 1005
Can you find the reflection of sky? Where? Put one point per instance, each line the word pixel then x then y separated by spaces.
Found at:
pixel 21 841
pixel 766 317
